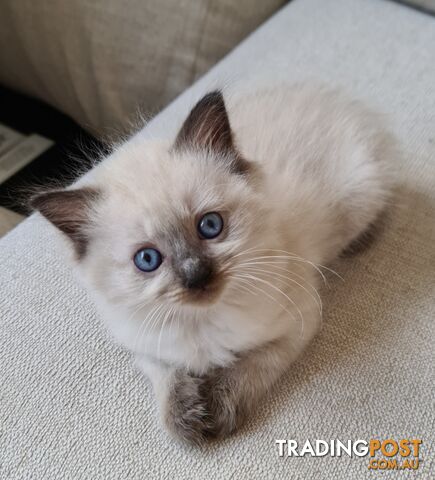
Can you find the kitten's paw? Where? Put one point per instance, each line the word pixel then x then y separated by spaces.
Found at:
pixel 201 408
pixel 186 414
pixel 223 404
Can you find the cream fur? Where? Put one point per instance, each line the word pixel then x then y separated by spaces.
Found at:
pixel 323 175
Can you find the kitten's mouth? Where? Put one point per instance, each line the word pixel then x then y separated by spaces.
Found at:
pixel 206 294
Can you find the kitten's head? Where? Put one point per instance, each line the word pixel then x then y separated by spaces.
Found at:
pixel 165 221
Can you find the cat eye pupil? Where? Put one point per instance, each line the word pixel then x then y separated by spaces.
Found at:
pixel 148 259
pixel 210 225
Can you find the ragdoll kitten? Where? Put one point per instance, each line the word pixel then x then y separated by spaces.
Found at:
pixel 202 251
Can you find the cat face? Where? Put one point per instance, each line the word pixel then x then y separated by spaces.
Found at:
pixel 165 221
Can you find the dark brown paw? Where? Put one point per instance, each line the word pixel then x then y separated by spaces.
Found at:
pixel 223 404
pixel 186 415
pixel 202 408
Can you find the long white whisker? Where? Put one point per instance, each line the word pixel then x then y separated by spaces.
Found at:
pixel 167 315
pixel 291 272
pixel 256 278
pixel 264 292
pixel 261 290
pixel 317 300
pixel 248 250
pixel 295 255
pixel 151 320
pixel 246 289
pixel 135 312
pixel 282 258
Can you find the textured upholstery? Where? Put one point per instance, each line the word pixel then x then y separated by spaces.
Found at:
pixel 72 405
pixel 99 60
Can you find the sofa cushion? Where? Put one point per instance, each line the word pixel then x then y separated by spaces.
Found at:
pixel 427 6
pixel 73 406
pixel 99 60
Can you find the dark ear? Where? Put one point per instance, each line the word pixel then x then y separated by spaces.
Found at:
pixel 208 127
pixel 68 210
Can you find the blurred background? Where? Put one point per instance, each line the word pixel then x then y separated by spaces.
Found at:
pixel 75 74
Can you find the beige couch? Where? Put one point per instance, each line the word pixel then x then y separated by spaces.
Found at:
pixel 101 61
pixel 72 405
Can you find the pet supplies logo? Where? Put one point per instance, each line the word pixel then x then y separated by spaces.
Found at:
pixel 388 454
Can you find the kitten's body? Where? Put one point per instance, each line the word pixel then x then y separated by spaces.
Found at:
pixel 302 175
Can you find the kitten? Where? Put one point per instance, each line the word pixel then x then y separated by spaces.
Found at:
pixel 202 251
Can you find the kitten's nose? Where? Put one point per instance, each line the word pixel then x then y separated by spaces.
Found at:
pixel 195 273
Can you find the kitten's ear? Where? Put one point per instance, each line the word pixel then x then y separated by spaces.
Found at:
pixel 208 127
pixel 68 210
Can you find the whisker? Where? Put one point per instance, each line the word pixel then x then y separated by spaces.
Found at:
pixel 151 321
pixel 245 289
pixel 257 278
pixel 167 315
pixel 317 300
pixel 294 254
pixel 174 310
pixel 282 258
pixel 287 270
pixel 261 290
pixel 142 324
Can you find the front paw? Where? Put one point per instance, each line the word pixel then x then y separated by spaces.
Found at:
pixel 186 415
pixel 200 408
pixel 224 404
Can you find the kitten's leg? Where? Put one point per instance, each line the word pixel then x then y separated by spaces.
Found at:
pixel 194 408
pixel 182 405
pixel 366 238
pixel 233 392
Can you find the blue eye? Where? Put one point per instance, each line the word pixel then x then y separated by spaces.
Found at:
pixel 148 259
pixel 210 225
